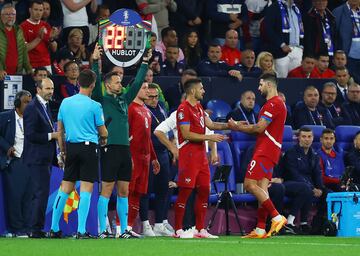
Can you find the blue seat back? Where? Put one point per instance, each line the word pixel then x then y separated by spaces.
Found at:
pixel 219 109
pixel 345 136
pixel 288 138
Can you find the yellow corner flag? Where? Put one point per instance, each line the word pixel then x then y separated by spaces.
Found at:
pixel 72 204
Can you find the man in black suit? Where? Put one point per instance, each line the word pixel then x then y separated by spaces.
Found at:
pixel 39 152
pixel 15 173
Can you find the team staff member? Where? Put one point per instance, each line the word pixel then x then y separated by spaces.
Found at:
pixel 82 120
pixel 142 151
pixel 114 168
pixel 193 164
pixel 16 174
pixel 269 130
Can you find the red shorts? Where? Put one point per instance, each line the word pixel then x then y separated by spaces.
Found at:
pixel 193 169
pixel 259 167
pixel 140 174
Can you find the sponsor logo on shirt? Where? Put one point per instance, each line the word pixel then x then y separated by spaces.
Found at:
pixel 181 115
pixel 187 180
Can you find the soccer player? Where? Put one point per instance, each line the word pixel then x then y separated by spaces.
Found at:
pixel 115 156
pixel 269 130
pixel 142 151
pixel 82 120
pixel 193 163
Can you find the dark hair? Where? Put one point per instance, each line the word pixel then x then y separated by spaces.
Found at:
pixel 172 46
pixel 86 78
pixel 36 70
pixel 327 131
pixel 270 78
pixel 35 2
pixel 18 96
pixel 322 55
pixel 214 44
pixel 68 64
pixel 305 129
pixel 339 52
pixel 153 86
pixel 108 76
pixel 190 83
pixel 153 34
pixel 165 31
pixel 189 72
pixel 308 55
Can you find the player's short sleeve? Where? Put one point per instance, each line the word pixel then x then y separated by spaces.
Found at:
pixel 99 114
pixel 60 114
pixel 183 116
pixel 168 124
pixel 270 111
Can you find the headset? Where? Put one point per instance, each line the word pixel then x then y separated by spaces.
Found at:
pixel 18 96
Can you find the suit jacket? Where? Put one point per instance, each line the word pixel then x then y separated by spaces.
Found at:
pixel 343 27
pixel 38 149
pixel 7 135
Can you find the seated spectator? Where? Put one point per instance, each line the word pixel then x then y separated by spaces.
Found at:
pixel 247 67
pixel 156 59
pixel 288 109
pixel 302 174
pixel 265 62
pixel 173 93
pixel 339 60
pixel 213 66
pixel 39 37
pixel 352 106
pixel 229 51
pixel 306 70
pixel 171 67
pixel 245 110
pixel 352 158
pixel 168 37
pixel 322 67
pixel 309 112
pixel 192 49
pixel 337 113
pixel 331 161
pixel 13 58
pixel 343 80
pixel 71 86
pixel 74 44
pixel 63 57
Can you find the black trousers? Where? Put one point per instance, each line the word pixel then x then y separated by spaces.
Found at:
pixel 17 196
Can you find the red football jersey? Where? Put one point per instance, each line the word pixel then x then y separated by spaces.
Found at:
pixel 268 143
pixel 195 117
pixel 140 131
pixel 39 56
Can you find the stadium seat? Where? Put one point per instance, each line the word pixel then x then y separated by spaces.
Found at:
pixel 345 135
pixel 219 109
pixel 317 130
pixel 288 138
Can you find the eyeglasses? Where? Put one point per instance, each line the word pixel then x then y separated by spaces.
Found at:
pixel 9 14
pixel 330 93
pixel 350 91
pixel 152 97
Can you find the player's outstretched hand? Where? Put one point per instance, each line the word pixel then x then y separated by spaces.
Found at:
pixel 236 125
pixel 156 166
pixel 217 137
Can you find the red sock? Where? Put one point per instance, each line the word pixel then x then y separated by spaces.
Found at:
pixel 134 201
pixel 270 208
pixel 179 206
pixel 262 216
pixel 201 204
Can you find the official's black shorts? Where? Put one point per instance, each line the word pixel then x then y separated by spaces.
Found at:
pixel 81 162
pixel 115 163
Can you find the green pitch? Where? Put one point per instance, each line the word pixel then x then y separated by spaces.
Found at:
pixel 225 246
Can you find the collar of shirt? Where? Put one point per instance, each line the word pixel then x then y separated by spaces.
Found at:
pixel 341 88
pixel 42 101
pixel 17 117
pixel 332 153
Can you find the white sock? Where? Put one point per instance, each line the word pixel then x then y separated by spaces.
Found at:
pixel 165 221
pixel 146 223
pixel 290 219
pixel 158 224
pixel 129 228
pixel 260 231
pixel 277 218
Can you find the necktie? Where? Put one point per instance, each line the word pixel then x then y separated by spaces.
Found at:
pixel 345 93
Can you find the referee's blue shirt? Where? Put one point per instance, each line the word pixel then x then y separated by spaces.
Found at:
pixel 81 116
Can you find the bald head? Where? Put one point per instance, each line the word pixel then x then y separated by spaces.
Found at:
pixel 231 38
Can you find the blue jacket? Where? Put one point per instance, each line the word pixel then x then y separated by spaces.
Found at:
pixel 237 115
pixel 343 27
pixel 352 109
pixel 273 34
pixel 7 135
pixel 303 168
pixel 207 68
pixel 168 70
pixel 38 150
pixel 254 72
pixel 332 166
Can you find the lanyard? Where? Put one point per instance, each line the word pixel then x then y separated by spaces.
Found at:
pixel 243 113
pixel 318 116
pixel 162 112
pixel 47 116
pixel 20 126
pixel 327 33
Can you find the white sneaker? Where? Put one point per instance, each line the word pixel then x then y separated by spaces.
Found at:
pixel 161 230
pixel 148 231
pixel 183 234
pixel 169 227
pixel 205 234
pixel 134 234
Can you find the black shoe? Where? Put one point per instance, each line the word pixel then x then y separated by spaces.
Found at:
pixel 291 230
pixel 37 234
pixel 305 229
pixel 105 234
pixel 128 235
pixel 86 235
pixel 53 234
